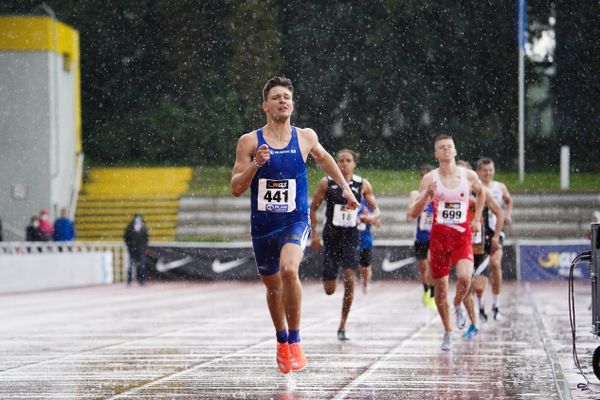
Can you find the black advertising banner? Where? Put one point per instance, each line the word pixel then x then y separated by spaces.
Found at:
pixel 205 263
pixel 389 262
pixel 236 262
pixel 396 262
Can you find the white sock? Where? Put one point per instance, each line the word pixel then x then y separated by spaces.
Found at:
pixel 495 300
pixel 480 302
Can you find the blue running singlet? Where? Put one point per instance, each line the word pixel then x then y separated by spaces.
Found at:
pixel 366 238
pixel 279 190
pixel 424 222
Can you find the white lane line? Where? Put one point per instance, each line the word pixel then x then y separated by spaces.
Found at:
pixel 373 367
pixel 312 326
pixel 560 381
pixel 121 343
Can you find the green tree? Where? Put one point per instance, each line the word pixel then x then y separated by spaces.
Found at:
pixel 179 80
pixel 203 130
pixel 253 30
pixel 216 122
pixel 140 65
pixel 387 76
pixel 576 85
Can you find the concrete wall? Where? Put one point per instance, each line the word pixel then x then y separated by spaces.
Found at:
pixel 26 129
pixel 37 139
pixel 29 272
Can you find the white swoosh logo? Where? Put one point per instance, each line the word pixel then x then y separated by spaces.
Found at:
pixel 389 266
pixel 482 266
pixel 162 266
pixel 219 267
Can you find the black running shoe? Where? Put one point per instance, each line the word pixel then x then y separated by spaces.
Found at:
pixel 482 315
pixel 497 314
pixel 341 334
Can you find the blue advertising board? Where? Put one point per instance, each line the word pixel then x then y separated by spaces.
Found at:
pixel 551 260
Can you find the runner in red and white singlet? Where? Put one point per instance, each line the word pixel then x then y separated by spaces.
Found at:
pixel 450 225
pixel 449 188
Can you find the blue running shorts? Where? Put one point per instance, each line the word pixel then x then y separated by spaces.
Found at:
pixel 267 249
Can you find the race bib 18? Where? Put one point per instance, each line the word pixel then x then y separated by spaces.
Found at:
pixel 344 218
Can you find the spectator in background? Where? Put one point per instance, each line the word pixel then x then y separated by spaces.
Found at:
pixel 33 233
pixel 45 224
pixel 64 229
pixel 136 239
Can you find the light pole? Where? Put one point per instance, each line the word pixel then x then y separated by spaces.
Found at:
pixel 522 17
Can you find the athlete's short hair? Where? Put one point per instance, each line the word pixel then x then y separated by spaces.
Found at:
pixel 354 154
pixel 277 81
pixel 442 137
pixel 484 161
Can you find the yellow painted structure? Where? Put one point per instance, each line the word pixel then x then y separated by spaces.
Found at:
pixel 112 196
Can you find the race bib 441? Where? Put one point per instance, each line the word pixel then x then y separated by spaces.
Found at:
pixel 277 195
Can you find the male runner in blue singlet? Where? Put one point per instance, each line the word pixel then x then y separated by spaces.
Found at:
pixel 271 162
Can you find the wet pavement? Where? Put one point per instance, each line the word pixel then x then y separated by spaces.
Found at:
pixel 215 341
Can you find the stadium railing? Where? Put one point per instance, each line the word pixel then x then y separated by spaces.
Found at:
pixel 120 256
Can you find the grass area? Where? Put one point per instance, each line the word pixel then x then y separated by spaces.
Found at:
pixel 214 181
pixel 210 181
pixel 202 238
pixel 550 182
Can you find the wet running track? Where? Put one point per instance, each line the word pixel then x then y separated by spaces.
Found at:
pixel 215 341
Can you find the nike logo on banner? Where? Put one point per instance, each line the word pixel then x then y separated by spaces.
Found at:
pixel 219 267
pixel 162 266
pixel 389 266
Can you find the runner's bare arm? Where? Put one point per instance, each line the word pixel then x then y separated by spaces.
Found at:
pixel 426 192
pixel 509 204
pixel 314 206
pixel 477 188
pixel 412 197
pixel 375 213
pixel 244 168
pixel 326 162
pixel 497 210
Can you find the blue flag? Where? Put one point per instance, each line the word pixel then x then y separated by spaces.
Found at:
pixel 521 16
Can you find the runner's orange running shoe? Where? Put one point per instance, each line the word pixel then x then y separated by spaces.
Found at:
pixel 284 358
pixel 298 358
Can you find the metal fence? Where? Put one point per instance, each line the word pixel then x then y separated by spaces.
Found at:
pixel 120 256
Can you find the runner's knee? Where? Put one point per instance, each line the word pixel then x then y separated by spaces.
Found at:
pixel 288 274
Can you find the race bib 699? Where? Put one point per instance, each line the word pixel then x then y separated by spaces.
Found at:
pixel 451 212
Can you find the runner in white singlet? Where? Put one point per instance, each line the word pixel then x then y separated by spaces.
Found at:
pixel 486 172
